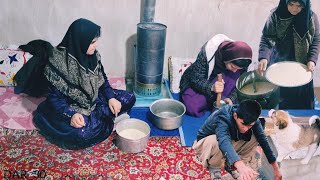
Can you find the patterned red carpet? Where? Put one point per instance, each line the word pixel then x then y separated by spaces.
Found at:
pixel 27 155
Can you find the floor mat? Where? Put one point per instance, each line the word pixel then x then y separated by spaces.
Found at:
pixel 27 155
pixel 190 125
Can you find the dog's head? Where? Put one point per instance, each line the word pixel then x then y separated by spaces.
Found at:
pixel 280 118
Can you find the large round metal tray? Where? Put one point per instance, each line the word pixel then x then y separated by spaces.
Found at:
pixel 288 74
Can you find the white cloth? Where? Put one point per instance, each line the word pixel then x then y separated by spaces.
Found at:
pixel 211 48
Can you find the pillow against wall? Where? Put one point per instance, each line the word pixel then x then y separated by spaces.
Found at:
pixel 11 60
pixel 177 66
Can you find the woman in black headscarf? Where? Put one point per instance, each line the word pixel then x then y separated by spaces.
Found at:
pixel 291 34
pixel 81 105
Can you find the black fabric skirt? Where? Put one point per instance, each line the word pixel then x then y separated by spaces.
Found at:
pixel 301 97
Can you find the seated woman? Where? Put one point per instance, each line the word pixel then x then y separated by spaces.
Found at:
pixel 199 85
pixel 81 105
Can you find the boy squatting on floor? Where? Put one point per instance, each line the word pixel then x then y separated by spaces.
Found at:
pixel 231 134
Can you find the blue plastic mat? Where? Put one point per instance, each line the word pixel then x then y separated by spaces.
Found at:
pixel 142 113
pixel 190 126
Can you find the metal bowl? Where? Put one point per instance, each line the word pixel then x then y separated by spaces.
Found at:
pixel 167 113
pixel 132 135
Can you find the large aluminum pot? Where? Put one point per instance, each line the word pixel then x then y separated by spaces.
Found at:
pixel 132 135
pixel 267 94
pixel 167 113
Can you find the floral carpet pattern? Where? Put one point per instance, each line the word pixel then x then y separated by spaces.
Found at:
pixel 25 154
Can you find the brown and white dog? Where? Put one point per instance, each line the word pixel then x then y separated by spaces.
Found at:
pixel 291 136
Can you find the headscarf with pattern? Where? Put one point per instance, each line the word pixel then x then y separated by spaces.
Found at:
pixel 73 72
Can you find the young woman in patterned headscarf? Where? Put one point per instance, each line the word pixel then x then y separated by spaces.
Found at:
pixel 199 85
pixel 291 34
pixel 81 105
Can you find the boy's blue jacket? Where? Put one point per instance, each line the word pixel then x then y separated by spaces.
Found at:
pixel 223 125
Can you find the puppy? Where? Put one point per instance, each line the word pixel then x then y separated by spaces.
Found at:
pixel 291 136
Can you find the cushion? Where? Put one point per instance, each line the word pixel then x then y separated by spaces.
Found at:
pixel 16 111
pixel 11 60
pixel 177 66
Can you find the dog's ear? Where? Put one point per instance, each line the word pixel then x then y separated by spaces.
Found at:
pixel 271 111
pixel 282 119
pixel 314 120
pixel 318 122
pixel 282 124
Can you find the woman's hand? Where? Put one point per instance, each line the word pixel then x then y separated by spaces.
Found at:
pixel 262 66
pixel 217 87
pixel 77 121
pixel 228 101
pixel 311 66
pixel 115 106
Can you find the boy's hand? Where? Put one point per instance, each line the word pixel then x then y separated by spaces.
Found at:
pixel 245 172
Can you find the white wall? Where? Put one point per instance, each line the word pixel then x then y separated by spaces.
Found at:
pixel 190 24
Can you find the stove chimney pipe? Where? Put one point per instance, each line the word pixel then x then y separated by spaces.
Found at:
pixel 147 10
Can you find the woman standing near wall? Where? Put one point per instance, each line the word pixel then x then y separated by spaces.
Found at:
pixel 291 34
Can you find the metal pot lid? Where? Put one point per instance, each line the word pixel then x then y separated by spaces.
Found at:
pixel 288 74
